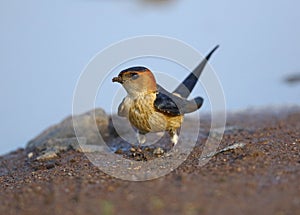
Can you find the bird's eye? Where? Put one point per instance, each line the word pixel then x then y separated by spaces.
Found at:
pixel 134 76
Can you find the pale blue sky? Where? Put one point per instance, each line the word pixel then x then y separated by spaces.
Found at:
pixel 46 44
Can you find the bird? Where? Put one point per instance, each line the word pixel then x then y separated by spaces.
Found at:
pixel 151 108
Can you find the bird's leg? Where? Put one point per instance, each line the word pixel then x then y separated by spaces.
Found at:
pixel 141 138
pixel 174 137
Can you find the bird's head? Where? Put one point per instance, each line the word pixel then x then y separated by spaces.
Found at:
pixel 136 80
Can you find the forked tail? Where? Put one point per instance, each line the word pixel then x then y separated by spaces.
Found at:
pixel 185 88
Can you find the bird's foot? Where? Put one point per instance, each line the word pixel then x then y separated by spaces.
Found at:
pixel 174 138
pixel 141 138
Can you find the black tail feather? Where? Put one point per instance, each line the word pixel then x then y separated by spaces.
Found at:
pixel 185 88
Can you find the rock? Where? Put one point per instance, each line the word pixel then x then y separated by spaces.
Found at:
pixel 292 78
pixel 46 156
pixel 65 129
pixel 58 144
pixel 61 137
pixel 158 151
pixel 30 155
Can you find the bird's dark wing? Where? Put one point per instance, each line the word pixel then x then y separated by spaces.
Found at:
pixel 174 105
pixel 165 104
pixel 185 88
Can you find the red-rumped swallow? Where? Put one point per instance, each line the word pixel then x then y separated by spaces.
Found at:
pixel 151 108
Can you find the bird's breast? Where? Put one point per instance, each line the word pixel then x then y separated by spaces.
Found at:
pixel 143 115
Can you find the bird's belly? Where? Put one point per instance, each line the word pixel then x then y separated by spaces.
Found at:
pixel 145 118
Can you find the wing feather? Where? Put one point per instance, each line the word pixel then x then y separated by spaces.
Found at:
pixel 174 105
pixel 165 104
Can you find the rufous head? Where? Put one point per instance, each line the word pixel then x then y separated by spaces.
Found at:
pixel 136 80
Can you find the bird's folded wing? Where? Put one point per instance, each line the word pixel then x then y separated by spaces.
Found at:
pixel 174 105
pixel 165 104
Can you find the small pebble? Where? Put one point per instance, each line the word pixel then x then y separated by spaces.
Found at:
pixel 119 151
pixel 158 151
pixel 30 155
pixel 47 156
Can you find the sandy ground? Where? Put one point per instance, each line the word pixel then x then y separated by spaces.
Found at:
pixel 260 178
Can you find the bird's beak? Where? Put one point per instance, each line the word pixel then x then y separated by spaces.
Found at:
pixel 117 79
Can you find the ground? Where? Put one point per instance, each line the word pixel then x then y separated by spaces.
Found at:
pixel 260 178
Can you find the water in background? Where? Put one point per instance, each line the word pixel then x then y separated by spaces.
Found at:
pixel 45 46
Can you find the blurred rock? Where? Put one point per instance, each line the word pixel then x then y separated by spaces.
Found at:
pixel 293 79
pixel 158 151
pixel 47 156
pixel 51 148
pixel 61 137
pixel 156 1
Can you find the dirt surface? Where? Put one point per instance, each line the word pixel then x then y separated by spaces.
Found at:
pixel 260 178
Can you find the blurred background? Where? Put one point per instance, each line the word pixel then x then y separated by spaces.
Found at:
pixel 45 45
